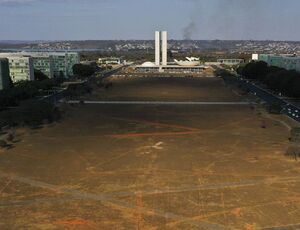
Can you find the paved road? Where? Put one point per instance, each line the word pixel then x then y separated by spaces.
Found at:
pixel 159 102
pixel 287 108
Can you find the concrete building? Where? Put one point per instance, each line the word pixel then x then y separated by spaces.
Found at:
pixel 263 57
pixel 230 62
pixel 63 63
pixel 288 62
pixel 52 64
pixel 21 68
pixel 44 64
pixel 157 48
pixel 72 58
pixel 161 65
pixel 255 56
pixel 171 69
pixel 110 61
pixel 161 48
pixel 164 36
pixel 59 65
pixel 5 81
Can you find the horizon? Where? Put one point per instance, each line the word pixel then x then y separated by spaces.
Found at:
pixel 170 39
pixel 79 20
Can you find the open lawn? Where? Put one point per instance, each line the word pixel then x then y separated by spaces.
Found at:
pixel 153 166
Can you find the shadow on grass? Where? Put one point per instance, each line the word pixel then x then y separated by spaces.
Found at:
pixel 5 145
pixel 31 115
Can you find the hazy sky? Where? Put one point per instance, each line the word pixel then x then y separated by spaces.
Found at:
pixel 137 19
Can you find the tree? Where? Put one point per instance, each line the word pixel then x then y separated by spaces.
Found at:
pixel 255 70
pixel 277 79
pixel 31 113
pixel 39 75
pixel 24 90
pixel 84 70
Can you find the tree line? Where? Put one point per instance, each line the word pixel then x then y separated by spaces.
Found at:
pixel 286 82
pixel 24 90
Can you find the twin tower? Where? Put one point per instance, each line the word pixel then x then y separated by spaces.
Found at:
pixel 161 48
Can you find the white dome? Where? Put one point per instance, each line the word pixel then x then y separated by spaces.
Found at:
pixel 148 64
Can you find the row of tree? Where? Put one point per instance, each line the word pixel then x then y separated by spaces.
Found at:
pixel 18 105
pixel 24 90
pixel 85 71
pixel 278 79
pixel 31 113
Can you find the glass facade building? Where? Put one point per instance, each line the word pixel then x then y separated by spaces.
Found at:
pixel 21 68
pixel 59 65
pixel 63 63
pixel 282 61
pixel 44 64
pixel 72 59
pixel 52 64
pixel 231 62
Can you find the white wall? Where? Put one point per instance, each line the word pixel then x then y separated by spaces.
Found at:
pixel 255 57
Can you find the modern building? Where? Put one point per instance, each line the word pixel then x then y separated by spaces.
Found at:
pixel 21 68
pixel 44 64
pixel 149 67
pixel 255 57
pixel 52 64
pixel 164 45
pixel 230 62
pixel 72 58
pixel 157 48
pixel 63 63
pixel 161 48
pixel 110 61
pixel 5 81
pixel 289 62
pixel 59 65
pixel 191 65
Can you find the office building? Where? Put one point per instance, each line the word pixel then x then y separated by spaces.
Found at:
pixel 164 36
pixel 63 63
pixel 52 64
pixel 191 65
pixel 161 48
pixel 111 61
pixel 289 62
pixel 72 58
pixel 157 48
pixel 231 62
pixel 44 64
pixel 21 68
pixel 59 65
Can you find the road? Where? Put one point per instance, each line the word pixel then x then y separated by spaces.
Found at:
pixel 159 102
pixel 287 108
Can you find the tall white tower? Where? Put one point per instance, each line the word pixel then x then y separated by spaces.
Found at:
pixel 157 48
pixel 164 36
pixel 161 48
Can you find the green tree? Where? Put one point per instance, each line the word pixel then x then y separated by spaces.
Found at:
pixel 255 70
pixel 39 75
pixel 84 70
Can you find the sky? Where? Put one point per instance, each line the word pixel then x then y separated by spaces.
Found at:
pixel 138 19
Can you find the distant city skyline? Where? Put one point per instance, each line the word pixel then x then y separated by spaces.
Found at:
pixel 138 19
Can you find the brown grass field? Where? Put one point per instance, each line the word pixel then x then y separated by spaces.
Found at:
pixel 153 167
